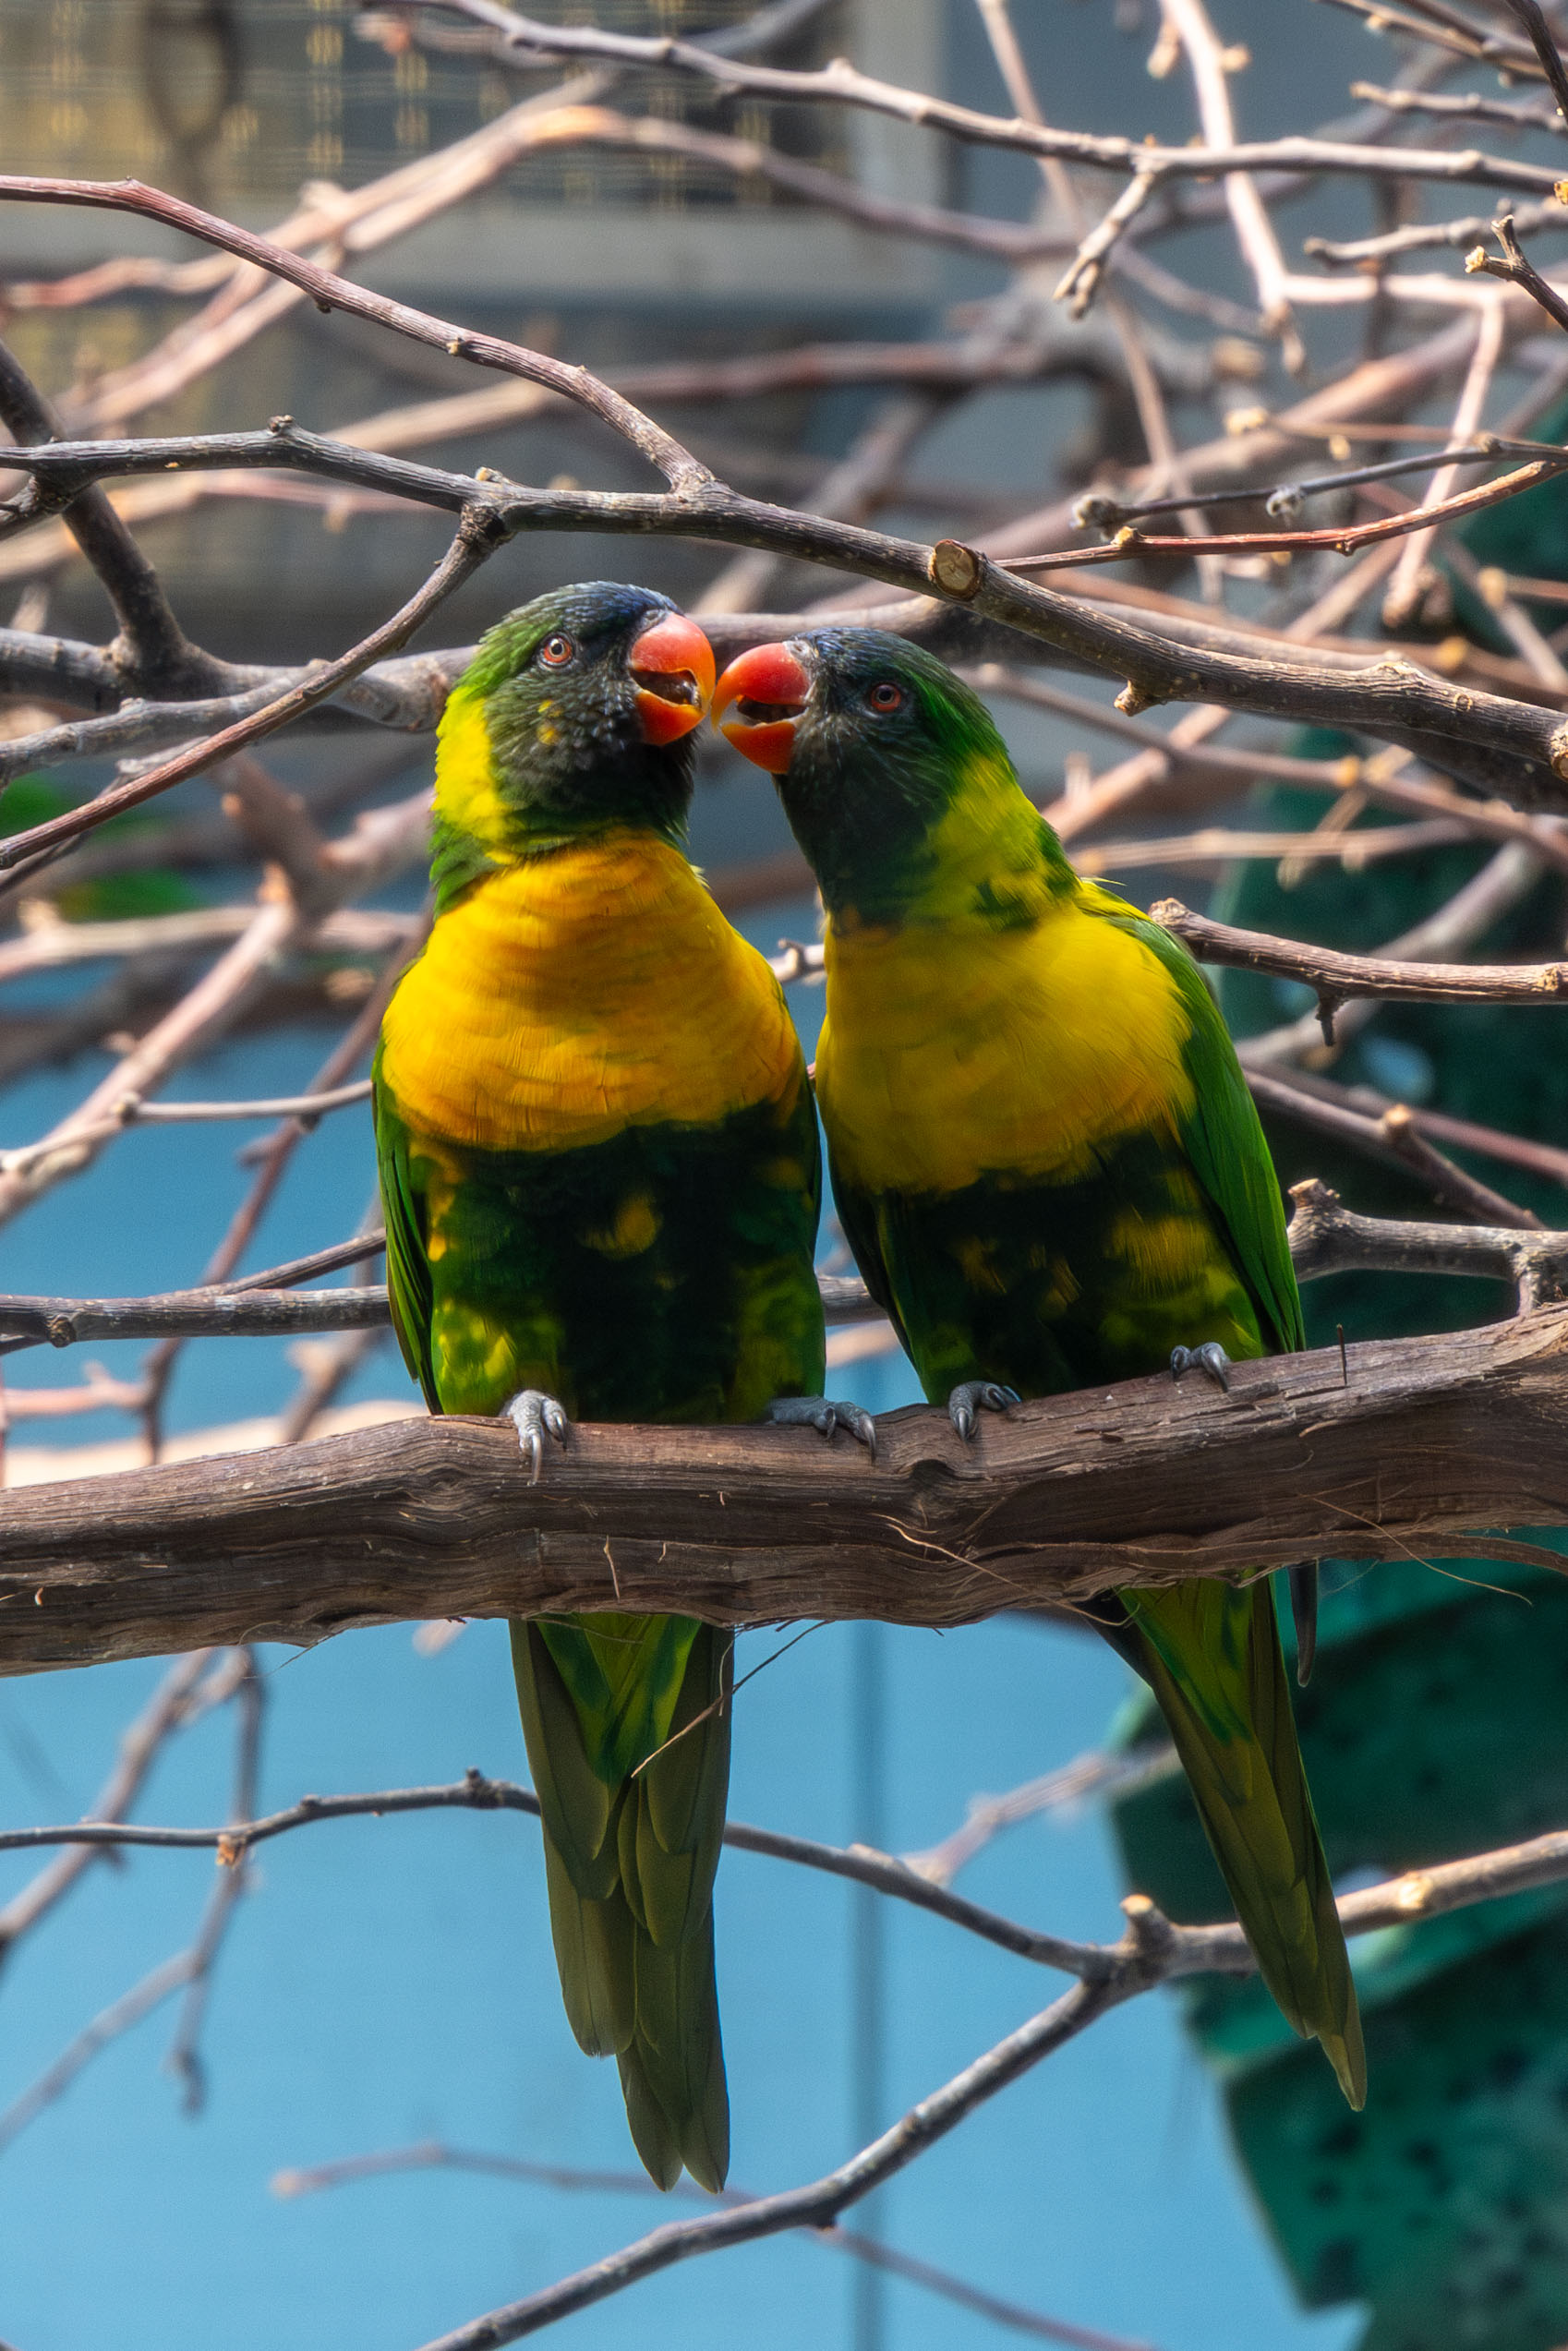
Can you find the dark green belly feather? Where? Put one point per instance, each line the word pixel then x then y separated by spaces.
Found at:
pixel 547 1275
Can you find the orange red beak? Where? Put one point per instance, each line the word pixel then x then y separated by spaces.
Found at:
pixel 673 666
pixel 768 688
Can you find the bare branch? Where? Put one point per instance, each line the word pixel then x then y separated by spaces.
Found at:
pixel 263 1307
pixel 1514 1151
pixel 839 84
pixel 1339 977
pixel 1151 1951
pixel 185 2054
pixel 158 1985
pixel 1532 16
pixel 152 641
pixel 1512 747
pixel 1423 235
pixel 1393 1137
pixel 1327 1237
pixel 1517 269
pixel 1430 1442
pixel 435 2156
pixel 1468 105
pixel 131 1111
pixel 53 944
pixel 168 1709
pixel 1098 1773
pixel 1503 881
pixel 329 292
pixel 478 534
pixel 191 1314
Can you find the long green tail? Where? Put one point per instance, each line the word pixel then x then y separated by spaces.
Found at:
pixel 1212 1654
pixel 630 1860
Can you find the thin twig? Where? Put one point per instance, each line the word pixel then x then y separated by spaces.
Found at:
pixel 152 641
pixel 434 2155
pixel 1517 269
pixel 185 2054
pixel 478 536
pixel 166 1711
pixel 1532 16
pixel 839 84
pixel 1337 977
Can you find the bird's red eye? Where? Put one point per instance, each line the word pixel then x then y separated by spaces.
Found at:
pixel 884 696
pixel 557 651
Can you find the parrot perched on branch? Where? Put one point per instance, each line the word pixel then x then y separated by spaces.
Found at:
pixel 1049 1168
pixel 600 1170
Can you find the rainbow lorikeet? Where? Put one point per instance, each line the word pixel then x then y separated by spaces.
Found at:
pixel 599 1165
pixel 1052 1175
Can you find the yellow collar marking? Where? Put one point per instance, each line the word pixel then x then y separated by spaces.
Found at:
pixel 582 991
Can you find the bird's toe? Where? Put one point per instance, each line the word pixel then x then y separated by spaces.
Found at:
pixel 536 1415
pixel 1211 1358
pixel 972 1396
pixel 825 1415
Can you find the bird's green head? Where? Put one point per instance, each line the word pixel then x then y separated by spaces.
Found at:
pixel 895 780
pixel 574 716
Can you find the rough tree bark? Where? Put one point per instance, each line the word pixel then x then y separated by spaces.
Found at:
pixel 1406 1447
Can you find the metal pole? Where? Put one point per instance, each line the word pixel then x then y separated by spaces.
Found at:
pixel 868 1718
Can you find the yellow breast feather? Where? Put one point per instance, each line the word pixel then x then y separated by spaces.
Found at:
pixel 955 1050
pixel 580 991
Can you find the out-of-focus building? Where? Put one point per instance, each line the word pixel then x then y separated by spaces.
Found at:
pixel 255 107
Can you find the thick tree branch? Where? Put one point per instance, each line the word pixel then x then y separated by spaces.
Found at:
pixel 1513 747
pixel 1416 1445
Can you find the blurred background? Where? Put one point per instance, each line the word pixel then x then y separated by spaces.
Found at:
pixel 391 1982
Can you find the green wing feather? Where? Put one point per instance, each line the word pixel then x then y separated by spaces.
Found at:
pixel 1223 1140
pixel 408 1267
pixel 1210 1652
pixel 630 1861
pixel 1211 1655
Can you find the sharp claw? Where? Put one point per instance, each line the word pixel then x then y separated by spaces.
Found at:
pixel 855 1421
pixel 826 1415
pixel 1211 1358
pixel 972 1395
pixel 534 1415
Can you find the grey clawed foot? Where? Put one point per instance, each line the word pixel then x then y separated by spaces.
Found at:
pixel 536 1416
pixel 1209 1358
pixel 973 1396
pixel 825 1415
